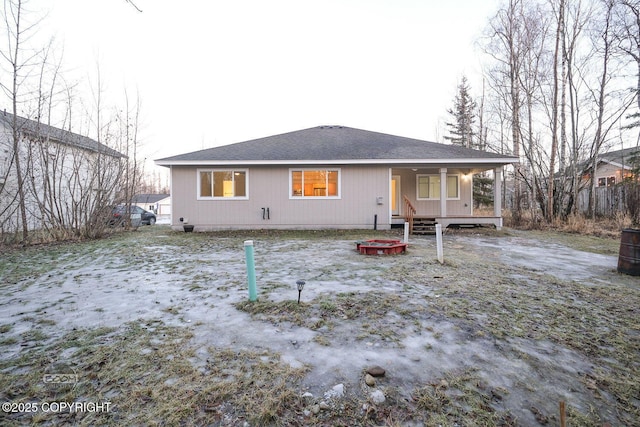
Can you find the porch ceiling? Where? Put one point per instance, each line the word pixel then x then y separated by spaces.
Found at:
pixel 465 167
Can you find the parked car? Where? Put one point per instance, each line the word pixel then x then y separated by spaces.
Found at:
pixel 119 212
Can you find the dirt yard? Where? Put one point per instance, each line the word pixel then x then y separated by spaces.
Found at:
pixel 154 327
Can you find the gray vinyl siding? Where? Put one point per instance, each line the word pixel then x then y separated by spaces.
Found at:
pixel 268 187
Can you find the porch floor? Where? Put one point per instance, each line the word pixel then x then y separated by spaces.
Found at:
pixel 452 220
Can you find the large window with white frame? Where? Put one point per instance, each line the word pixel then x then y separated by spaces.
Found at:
pixel 222 184
pixel 314 183
pixel 428 187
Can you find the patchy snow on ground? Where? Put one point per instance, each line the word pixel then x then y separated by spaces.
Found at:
pixel 197 285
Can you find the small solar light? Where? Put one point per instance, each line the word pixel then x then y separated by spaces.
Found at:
pixel 300 284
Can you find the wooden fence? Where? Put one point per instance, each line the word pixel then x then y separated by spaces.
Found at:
pixel 610 201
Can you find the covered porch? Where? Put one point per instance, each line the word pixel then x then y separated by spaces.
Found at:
pixel 426 196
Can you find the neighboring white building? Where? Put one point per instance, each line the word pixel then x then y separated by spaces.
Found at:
pixel 160 204
pixel 67 178
pixel 156 203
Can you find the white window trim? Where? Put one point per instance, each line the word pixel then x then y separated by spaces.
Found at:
pixel 457 176
pixel 199 197
pixel 303 197
pixel 606 180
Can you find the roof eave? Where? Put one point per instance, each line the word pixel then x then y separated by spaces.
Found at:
pixel 469 161
pixel 616 164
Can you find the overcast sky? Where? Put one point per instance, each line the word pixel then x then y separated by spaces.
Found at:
pixel 213 72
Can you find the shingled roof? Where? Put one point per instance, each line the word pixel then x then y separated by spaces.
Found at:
pixel 334 144
pixel 148 198
pixel 620 157
pixel 40 130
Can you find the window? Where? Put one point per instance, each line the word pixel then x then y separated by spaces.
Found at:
pixel 607 181
pixel 453 192
pixel 429 187
pixel 314 183
pixel 222 184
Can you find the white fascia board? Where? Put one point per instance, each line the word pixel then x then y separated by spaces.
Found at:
pixel 487 161
pixel 616 164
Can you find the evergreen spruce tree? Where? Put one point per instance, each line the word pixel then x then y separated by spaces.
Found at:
pixel 634 161
pixel 462 132
pixel 464 115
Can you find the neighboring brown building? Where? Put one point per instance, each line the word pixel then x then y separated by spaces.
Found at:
pixel 614 167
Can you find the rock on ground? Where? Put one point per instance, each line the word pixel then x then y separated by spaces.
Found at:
pixel 377 397
pixel 376 371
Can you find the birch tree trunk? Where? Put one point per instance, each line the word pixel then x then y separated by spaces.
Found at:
pixel 602 87
pixel 554 121
pixel 15 9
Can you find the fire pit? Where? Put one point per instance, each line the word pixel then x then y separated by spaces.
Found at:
pixel 381 247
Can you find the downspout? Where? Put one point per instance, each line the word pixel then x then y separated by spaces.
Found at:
pixel 171 193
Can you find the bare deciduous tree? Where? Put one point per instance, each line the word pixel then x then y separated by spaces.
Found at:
pixel 505 48
pixel 554 108
pixel 52 180
pixel 556 90
pixel 129 144
pixel 627 35
pixel 17 32
pixel 606 117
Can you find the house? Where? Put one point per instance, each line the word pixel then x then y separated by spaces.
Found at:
pixel 66 177
pixel 160 204
pixel 610 198
pixel 329 177
pixel 615 166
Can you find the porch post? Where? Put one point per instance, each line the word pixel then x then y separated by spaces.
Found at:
pixel 443 192
pixel 497 192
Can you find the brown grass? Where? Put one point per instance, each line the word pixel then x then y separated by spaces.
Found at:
pixel 147 373
pixel 574 223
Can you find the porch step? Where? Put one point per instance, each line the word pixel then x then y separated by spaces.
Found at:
pixel 424 225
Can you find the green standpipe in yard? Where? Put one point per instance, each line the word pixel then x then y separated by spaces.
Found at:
pixel 251 270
